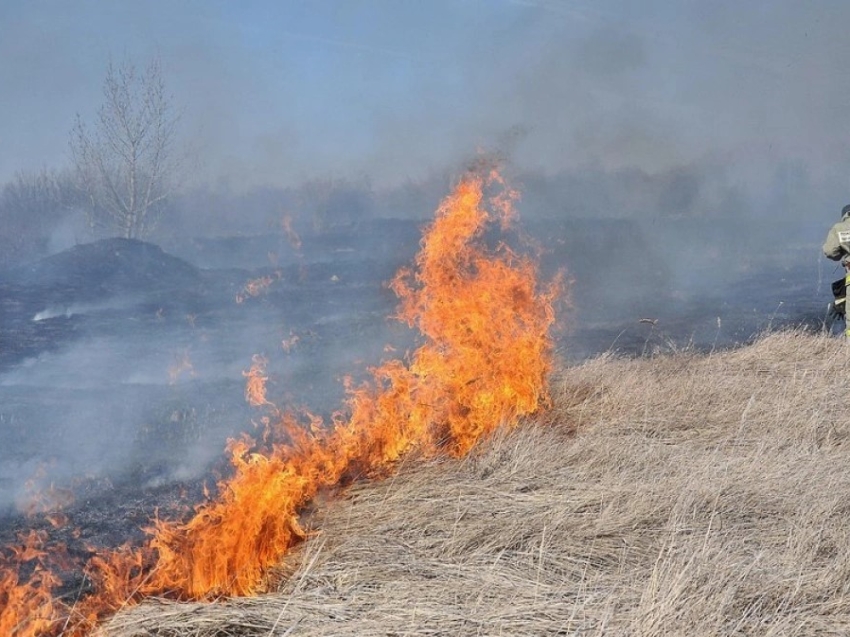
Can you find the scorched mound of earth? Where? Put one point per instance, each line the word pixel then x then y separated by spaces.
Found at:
pixel 47 304
pixel 109 266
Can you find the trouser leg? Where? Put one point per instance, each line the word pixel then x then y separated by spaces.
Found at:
pixel 846 301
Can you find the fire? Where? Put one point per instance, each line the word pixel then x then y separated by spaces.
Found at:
pixel 482 363
pixel 119 577
pixel 182 365
pixel 289 232
pixel 39 499
pixel 255 385
pixel 27 606
pixel 288 344
pixel 256 287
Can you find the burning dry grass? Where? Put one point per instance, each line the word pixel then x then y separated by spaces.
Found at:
pixel 483 362
pixel 699 495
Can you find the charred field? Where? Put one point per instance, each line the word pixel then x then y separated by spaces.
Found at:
pixel 121 363
pixel 121 370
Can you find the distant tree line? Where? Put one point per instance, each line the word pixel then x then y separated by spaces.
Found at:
pixel 127 177
pixel 32 207
pixel 127 174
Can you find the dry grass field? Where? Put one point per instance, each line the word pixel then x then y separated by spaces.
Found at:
pixel 677 494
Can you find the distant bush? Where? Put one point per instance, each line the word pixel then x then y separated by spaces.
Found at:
pixel 33 207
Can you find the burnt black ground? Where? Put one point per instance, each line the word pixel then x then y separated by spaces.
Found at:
pixel 121 363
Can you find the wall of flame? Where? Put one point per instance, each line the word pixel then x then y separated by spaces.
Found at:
pixel 482 363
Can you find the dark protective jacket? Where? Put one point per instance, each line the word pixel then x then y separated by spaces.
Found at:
pixel 837 244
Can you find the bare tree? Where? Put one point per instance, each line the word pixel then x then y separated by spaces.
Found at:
pixel 126 165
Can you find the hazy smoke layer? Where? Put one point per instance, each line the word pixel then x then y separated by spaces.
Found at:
pixel 681 163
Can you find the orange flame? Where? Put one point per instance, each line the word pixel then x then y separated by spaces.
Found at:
pixel 182 365
pixel 27 607
pixel 38 499
pixel 483 363
pixel 256 287
pixel 255 385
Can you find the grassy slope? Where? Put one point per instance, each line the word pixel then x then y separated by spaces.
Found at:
pixel 700 495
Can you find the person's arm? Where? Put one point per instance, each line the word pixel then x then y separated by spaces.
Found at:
pixel 832 246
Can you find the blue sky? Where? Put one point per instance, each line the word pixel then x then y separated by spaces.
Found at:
pixel 276 92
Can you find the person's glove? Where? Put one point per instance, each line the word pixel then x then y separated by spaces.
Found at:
pixel 833 313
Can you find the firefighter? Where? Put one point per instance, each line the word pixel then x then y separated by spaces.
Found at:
pixel 837 247
pixel 837 244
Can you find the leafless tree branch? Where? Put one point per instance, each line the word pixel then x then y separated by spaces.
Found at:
pixel 125 164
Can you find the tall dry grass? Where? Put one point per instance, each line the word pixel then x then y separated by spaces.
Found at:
pixel 683 494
